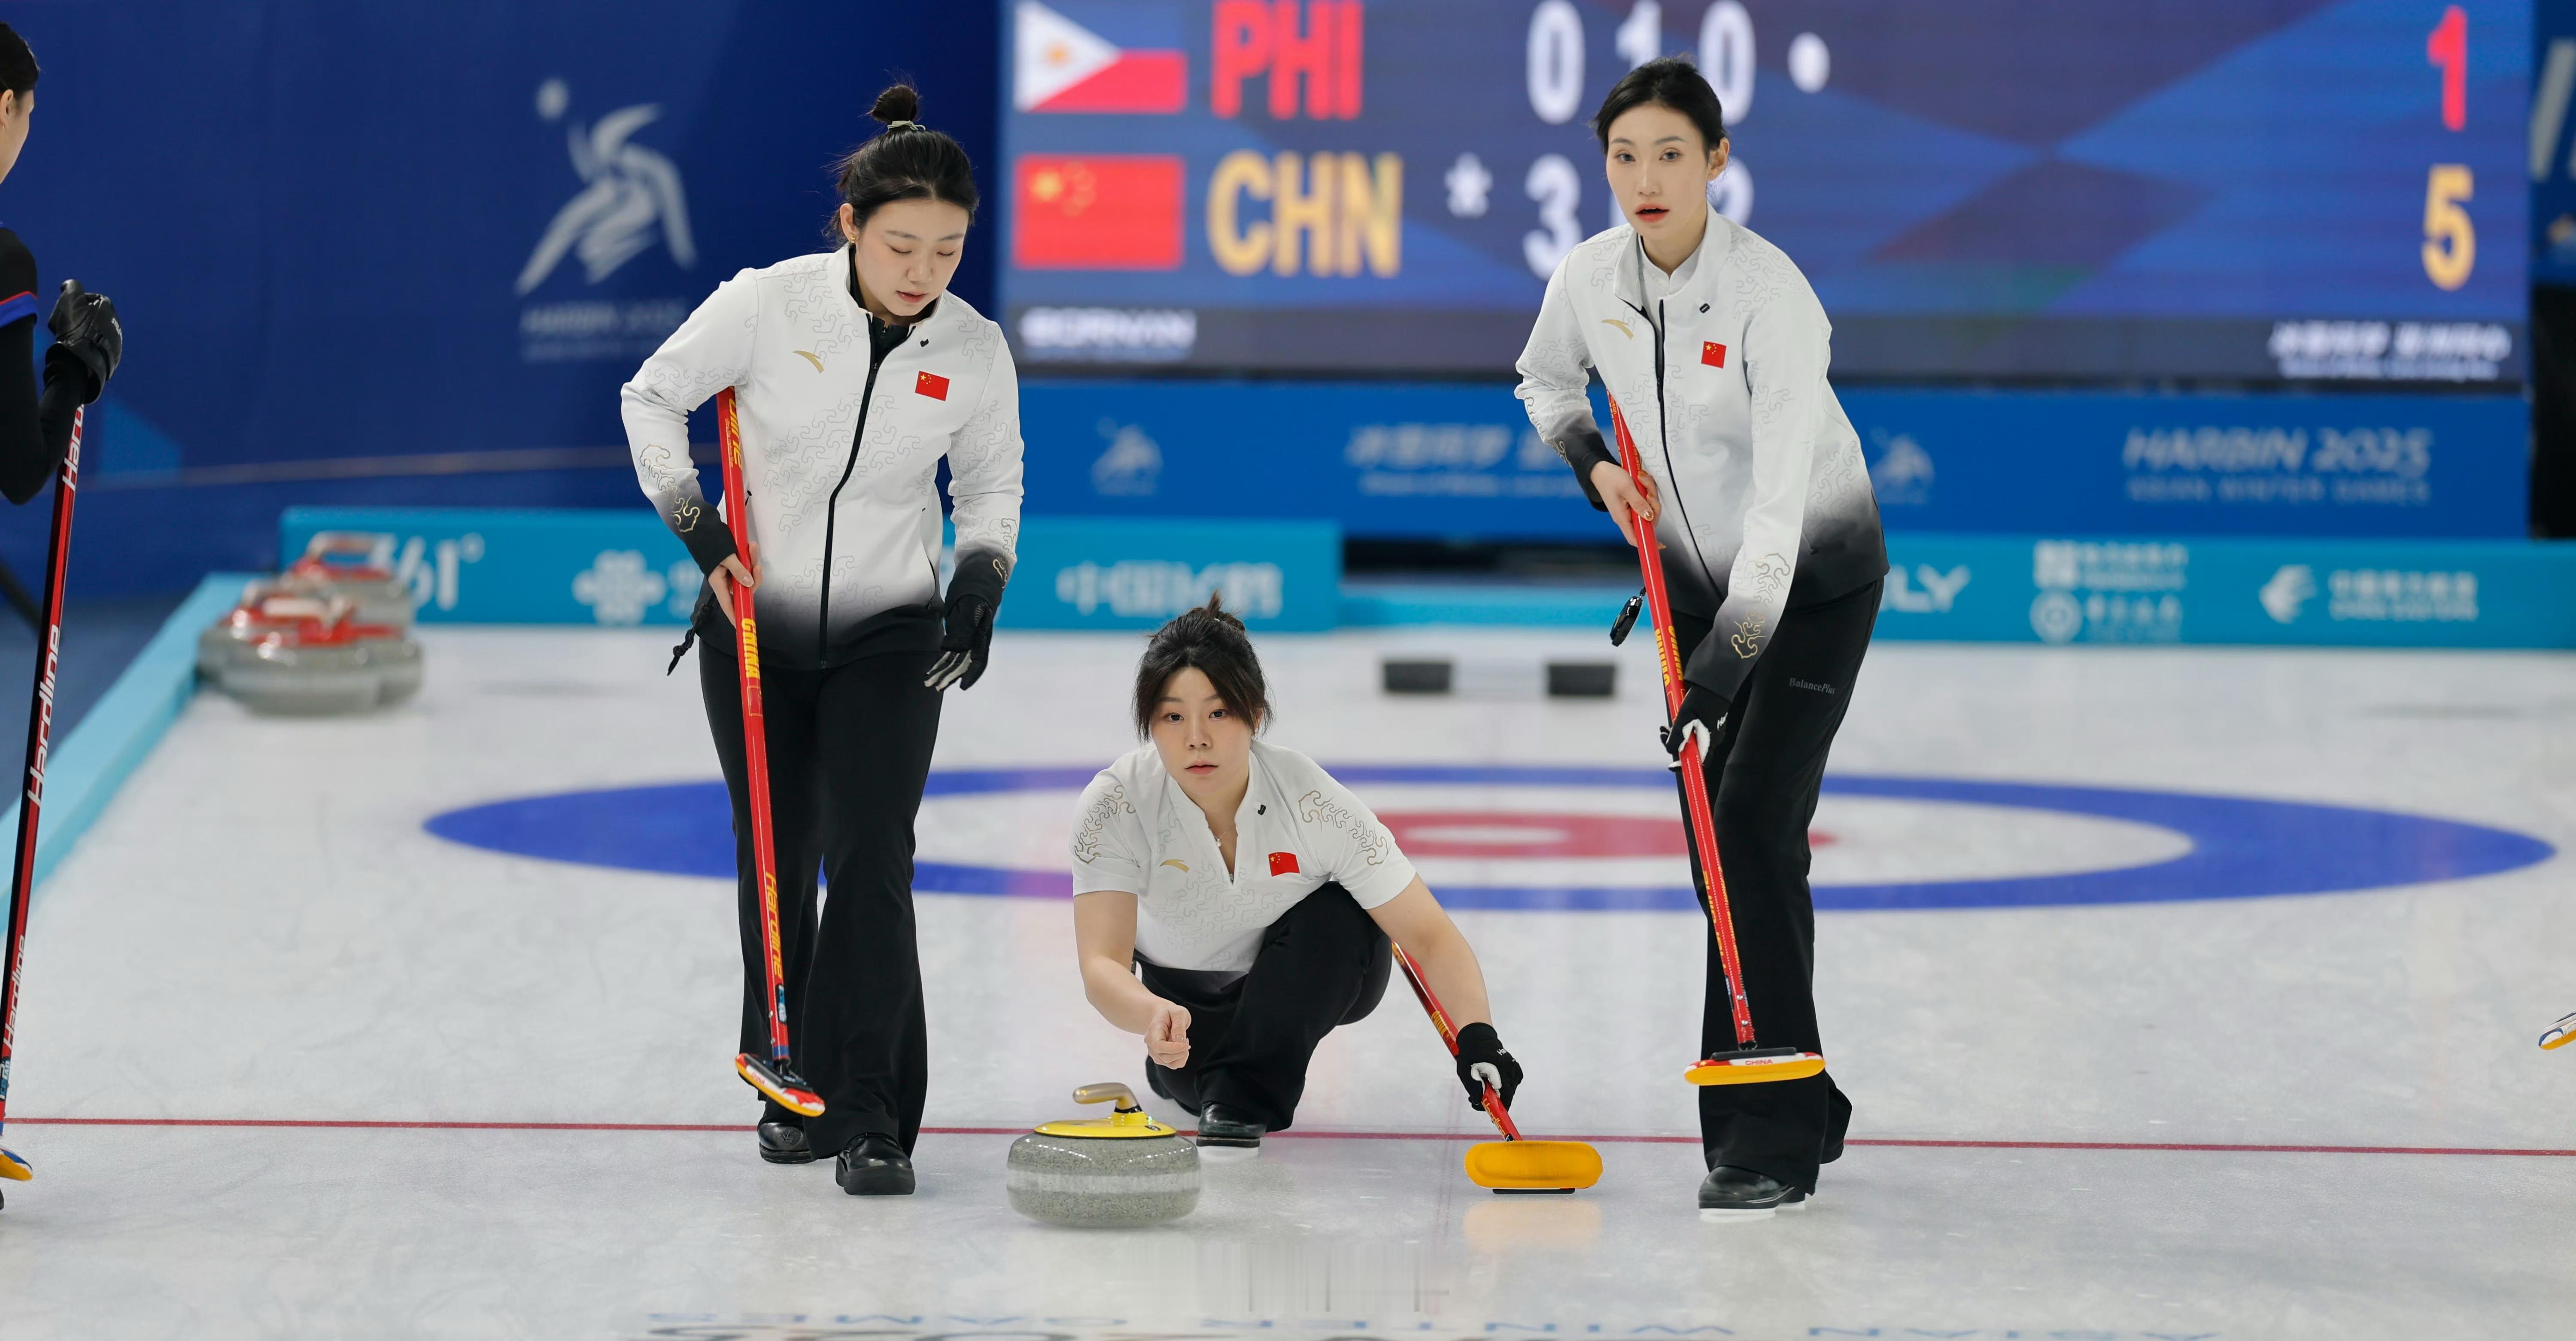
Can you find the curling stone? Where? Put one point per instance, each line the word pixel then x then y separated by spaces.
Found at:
pixel 1122 1172
pixel 284 653
pixel 357 565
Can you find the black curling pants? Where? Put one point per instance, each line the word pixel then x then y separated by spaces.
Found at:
pixel 1764 772
pixel 849 751
pixel 1323 964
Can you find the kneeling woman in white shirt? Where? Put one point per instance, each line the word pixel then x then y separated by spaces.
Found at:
pixel 1233 903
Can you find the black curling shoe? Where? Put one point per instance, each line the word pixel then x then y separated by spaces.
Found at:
pixel 874 1166
pixel 1225 1129
pixel 1730 1193
pixel 784 1143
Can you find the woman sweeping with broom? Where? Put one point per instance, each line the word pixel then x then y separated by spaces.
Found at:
pixel 1233 903
pixel 842 379
pixel 1737 456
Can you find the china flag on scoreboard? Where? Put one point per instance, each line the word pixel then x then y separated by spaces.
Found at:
pixel 1097 212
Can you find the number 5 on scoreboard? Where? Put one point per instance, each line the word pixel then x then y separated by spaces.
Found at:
pixel 2450 241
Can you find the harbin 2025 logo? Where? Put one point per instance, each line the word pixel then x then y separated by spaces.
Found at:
pixel 627 198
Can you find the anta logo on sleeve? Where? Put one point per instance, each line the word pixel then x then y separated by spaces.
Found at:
pixel 1712 353
pixel 1283 863
pixel 932 385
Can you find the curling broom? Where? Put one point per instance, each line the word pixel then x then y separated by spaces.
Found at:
pixel 1511 1164
pixel 776 1076
pixel 1750 1063
pixel 40 731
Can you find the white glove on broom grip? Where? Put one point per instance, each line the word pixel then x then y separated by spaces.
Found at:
pixel 1488 1075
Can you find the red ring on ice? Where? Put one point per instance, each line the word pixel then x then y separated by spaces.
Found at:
pixel 1500 835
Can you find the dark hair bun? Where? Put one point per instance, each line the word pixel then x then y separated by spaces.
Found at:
pixel 900 102
pixel 910 161
pixel 1214 612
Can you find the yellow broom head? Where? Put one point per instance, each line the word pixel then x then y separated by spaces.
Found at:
pixel 1533 1166
pixel 779 1087
pixel 1755 1068
pixel 2560 1034
pixel 14 1169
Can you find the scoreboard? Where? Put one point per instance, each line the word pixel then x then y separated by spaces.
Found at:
pixel 2249 190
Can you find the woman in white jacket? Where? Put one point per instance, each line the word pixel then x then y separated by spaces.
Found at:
pixel 856 372
pixel 1713 350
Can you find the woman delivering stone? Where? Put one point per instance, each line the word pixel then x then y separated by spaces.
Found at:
pixel 1233 903
pixel 1714 350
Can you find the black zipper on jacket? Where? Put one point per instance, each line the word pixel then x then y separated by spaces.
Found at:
pixel 832 509
pixel 1664 437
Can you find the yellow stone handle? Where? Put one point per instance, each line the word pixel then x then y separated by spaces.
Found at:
pixel 1108 1092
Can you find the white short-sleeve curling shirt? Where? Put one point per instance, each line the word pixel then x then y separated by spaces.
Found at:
pixel 1297 829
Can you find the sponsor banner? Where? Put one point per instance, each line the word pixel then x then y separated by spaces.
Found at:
pixel 1446 460
pixel 622 567
pixel 2120 464
pixel 1384 459
pixel 1080 573
pixel 2327 592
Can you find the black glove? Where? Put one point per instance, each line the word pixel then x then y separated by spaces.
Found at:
pixel 1703 711
pixel 1478 1046
pixel 86 334
pixel 974 594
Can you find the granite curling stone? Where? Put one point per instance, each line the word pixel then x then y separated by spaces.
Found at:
pixel 1123 1172
pixel 280 652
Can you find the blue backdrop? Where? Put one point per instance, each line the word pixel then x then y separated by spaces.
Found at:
pixel 400 255
pixel 438 234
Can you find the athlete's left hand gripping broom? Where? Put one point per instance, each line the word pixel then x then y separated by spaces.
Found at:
pixel 1750 1062
pixel 775 1077
pixel 40 730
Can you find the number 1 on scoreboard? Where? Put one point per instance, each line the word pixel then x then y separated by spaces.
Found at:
pixel 2448 47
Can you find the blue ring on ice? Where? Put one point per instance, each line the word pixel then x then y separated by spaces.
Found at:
pixel 2241 847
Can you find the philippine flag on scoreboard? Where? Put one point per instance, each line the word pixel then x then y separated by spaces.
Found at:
pixel 1097 212
pixel 1060 65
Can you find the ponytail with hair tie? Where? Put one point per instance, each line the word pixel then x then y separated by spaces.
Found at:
pixel 906 161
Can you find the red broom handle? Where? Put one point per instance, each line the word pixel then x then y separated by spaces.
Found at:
pixel 40 732
pixel 1440 1021
pixel 755 733
pixel 1668 656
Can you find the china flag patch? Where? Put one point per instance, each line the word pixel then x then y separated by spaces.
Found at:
pixel 1283 863
pixel 932 385
pixel 1712 353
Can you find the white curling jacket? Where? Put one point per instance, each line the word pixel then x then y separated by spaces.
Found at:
pixel 1766 498
pixel 840 450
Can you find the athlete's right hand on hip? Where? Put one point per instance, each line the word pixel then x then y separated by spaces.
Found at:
pixel 86 333
pixel 1167 1036
pixel 734 573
